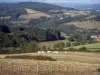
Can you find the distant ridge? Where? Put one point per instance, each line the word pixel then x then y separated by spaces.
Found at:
pixel 34 5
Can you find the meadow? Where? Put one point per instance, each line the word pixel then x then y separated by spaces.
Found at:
pixel 32 14
pixel 87 24
pixel 72 63
pixel 89 46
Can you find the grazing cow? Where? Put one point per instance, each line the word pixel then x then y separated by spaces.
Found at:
pixel 42 52
pixel 49 52
pixel 66 52
pixel 39 52
pixel 55 52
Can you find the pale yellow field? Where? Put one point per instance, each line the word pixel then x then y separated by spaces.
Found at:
pixel 73 13
pixel 30 11
pixel 7 17
pixel 32 14
pixel 73 63
pixel 51 43
pixel 87 24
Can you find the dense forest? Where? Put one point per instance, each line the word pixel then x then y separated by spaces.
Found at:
pixel 15 9
pixel 14 36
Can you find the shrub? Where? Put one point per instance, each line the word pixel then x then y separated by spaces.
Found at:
pixel 72 49
pixel 68 44
pixel 82 48
pixel 98 69
pixel 32 57
pixel 6 51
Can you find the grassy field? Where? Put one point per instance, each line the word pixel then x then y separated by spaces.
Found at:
pixel 73 13
pixel 30 11
pixel 87 24
pixel 72 63
pixel 6 17
pixel 90 46
pixel 51 43
pixel 32 14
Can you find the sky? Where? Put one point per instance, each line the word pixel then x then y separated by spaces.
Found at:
pixel 55 1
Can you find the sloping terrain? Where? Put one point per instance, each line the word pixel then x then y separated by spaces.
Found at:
pixel 31 11
pixel 72 63
pixel 32 14
pixel 87 24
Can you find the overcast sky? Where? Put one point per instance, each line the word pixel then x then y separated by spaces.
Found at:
pixel 55 1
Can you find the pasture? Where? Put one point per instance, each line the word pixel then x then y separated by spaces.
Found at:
pixel 51 43
pixel 32 14
pixel 89 46
pixel 87 24
pixel 72 63
pixel 30 11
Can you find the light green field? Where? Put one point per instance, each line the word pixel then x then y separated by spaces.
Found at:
pixel 90 46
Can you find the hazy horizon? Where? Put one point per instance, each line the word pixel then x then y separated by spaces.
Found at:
pixel 55 1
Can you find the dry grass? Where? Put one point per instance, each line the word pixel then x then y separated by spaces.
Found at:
pixel 6 17
pixel 51 43
pixel 32 14
pixel 87 24
pixel 73 63
pixel 30 11
pixel 73 13
pixel 29 67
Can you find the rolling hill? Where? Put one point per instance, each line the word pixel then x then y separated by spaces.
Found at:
pixel 10 8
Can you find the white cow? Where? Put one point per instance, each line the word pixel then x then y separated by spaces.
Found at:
pixel 49 52
pixel 55 52
pixel 42 52
pixel 39 52
pixel 66 52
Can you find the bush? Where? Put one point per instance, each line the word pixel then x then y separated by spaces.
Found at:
pixel 72 49
pixel 76 43
pixel 98 69
pixel 6 51
pixel 68 44
pixel 83 49
pixel 32 57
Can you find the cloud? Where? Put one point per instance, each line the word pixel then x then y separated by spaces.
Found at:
pixel 72 1
pixel 55 1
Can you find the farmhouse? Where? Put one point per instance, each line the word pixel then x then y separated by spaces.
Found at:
pixel 96 37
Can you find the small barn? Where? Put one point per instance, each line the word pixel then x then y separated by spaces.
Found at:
pixel 96 37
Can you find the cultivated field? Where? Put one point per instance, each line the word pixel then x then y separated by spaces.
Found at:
pixel 32 14
pixel 90 46
pixel 6 17
pixel 72 63
pixel 87 24
pixel 51 43
pixel 73 13
pixel 30 11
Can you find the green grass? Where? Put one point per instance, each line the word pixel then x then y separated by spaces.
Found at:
pixel 89 46
pixel 32 57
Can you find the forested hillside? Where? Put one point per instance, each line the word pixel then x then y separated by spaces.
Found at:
pixel 14 36
pixel 14 9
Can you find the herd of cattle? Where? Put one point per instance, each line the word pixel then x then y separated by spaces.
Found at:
pixel 53 52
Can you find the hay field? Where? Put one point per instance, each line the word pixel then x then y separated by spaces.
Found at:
pixel 73 63
pixel 73 13
pixel 6 17
pixel 30 11
pixel 32 14
pixel 90 46
pixel 87 24
pixel 51 43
